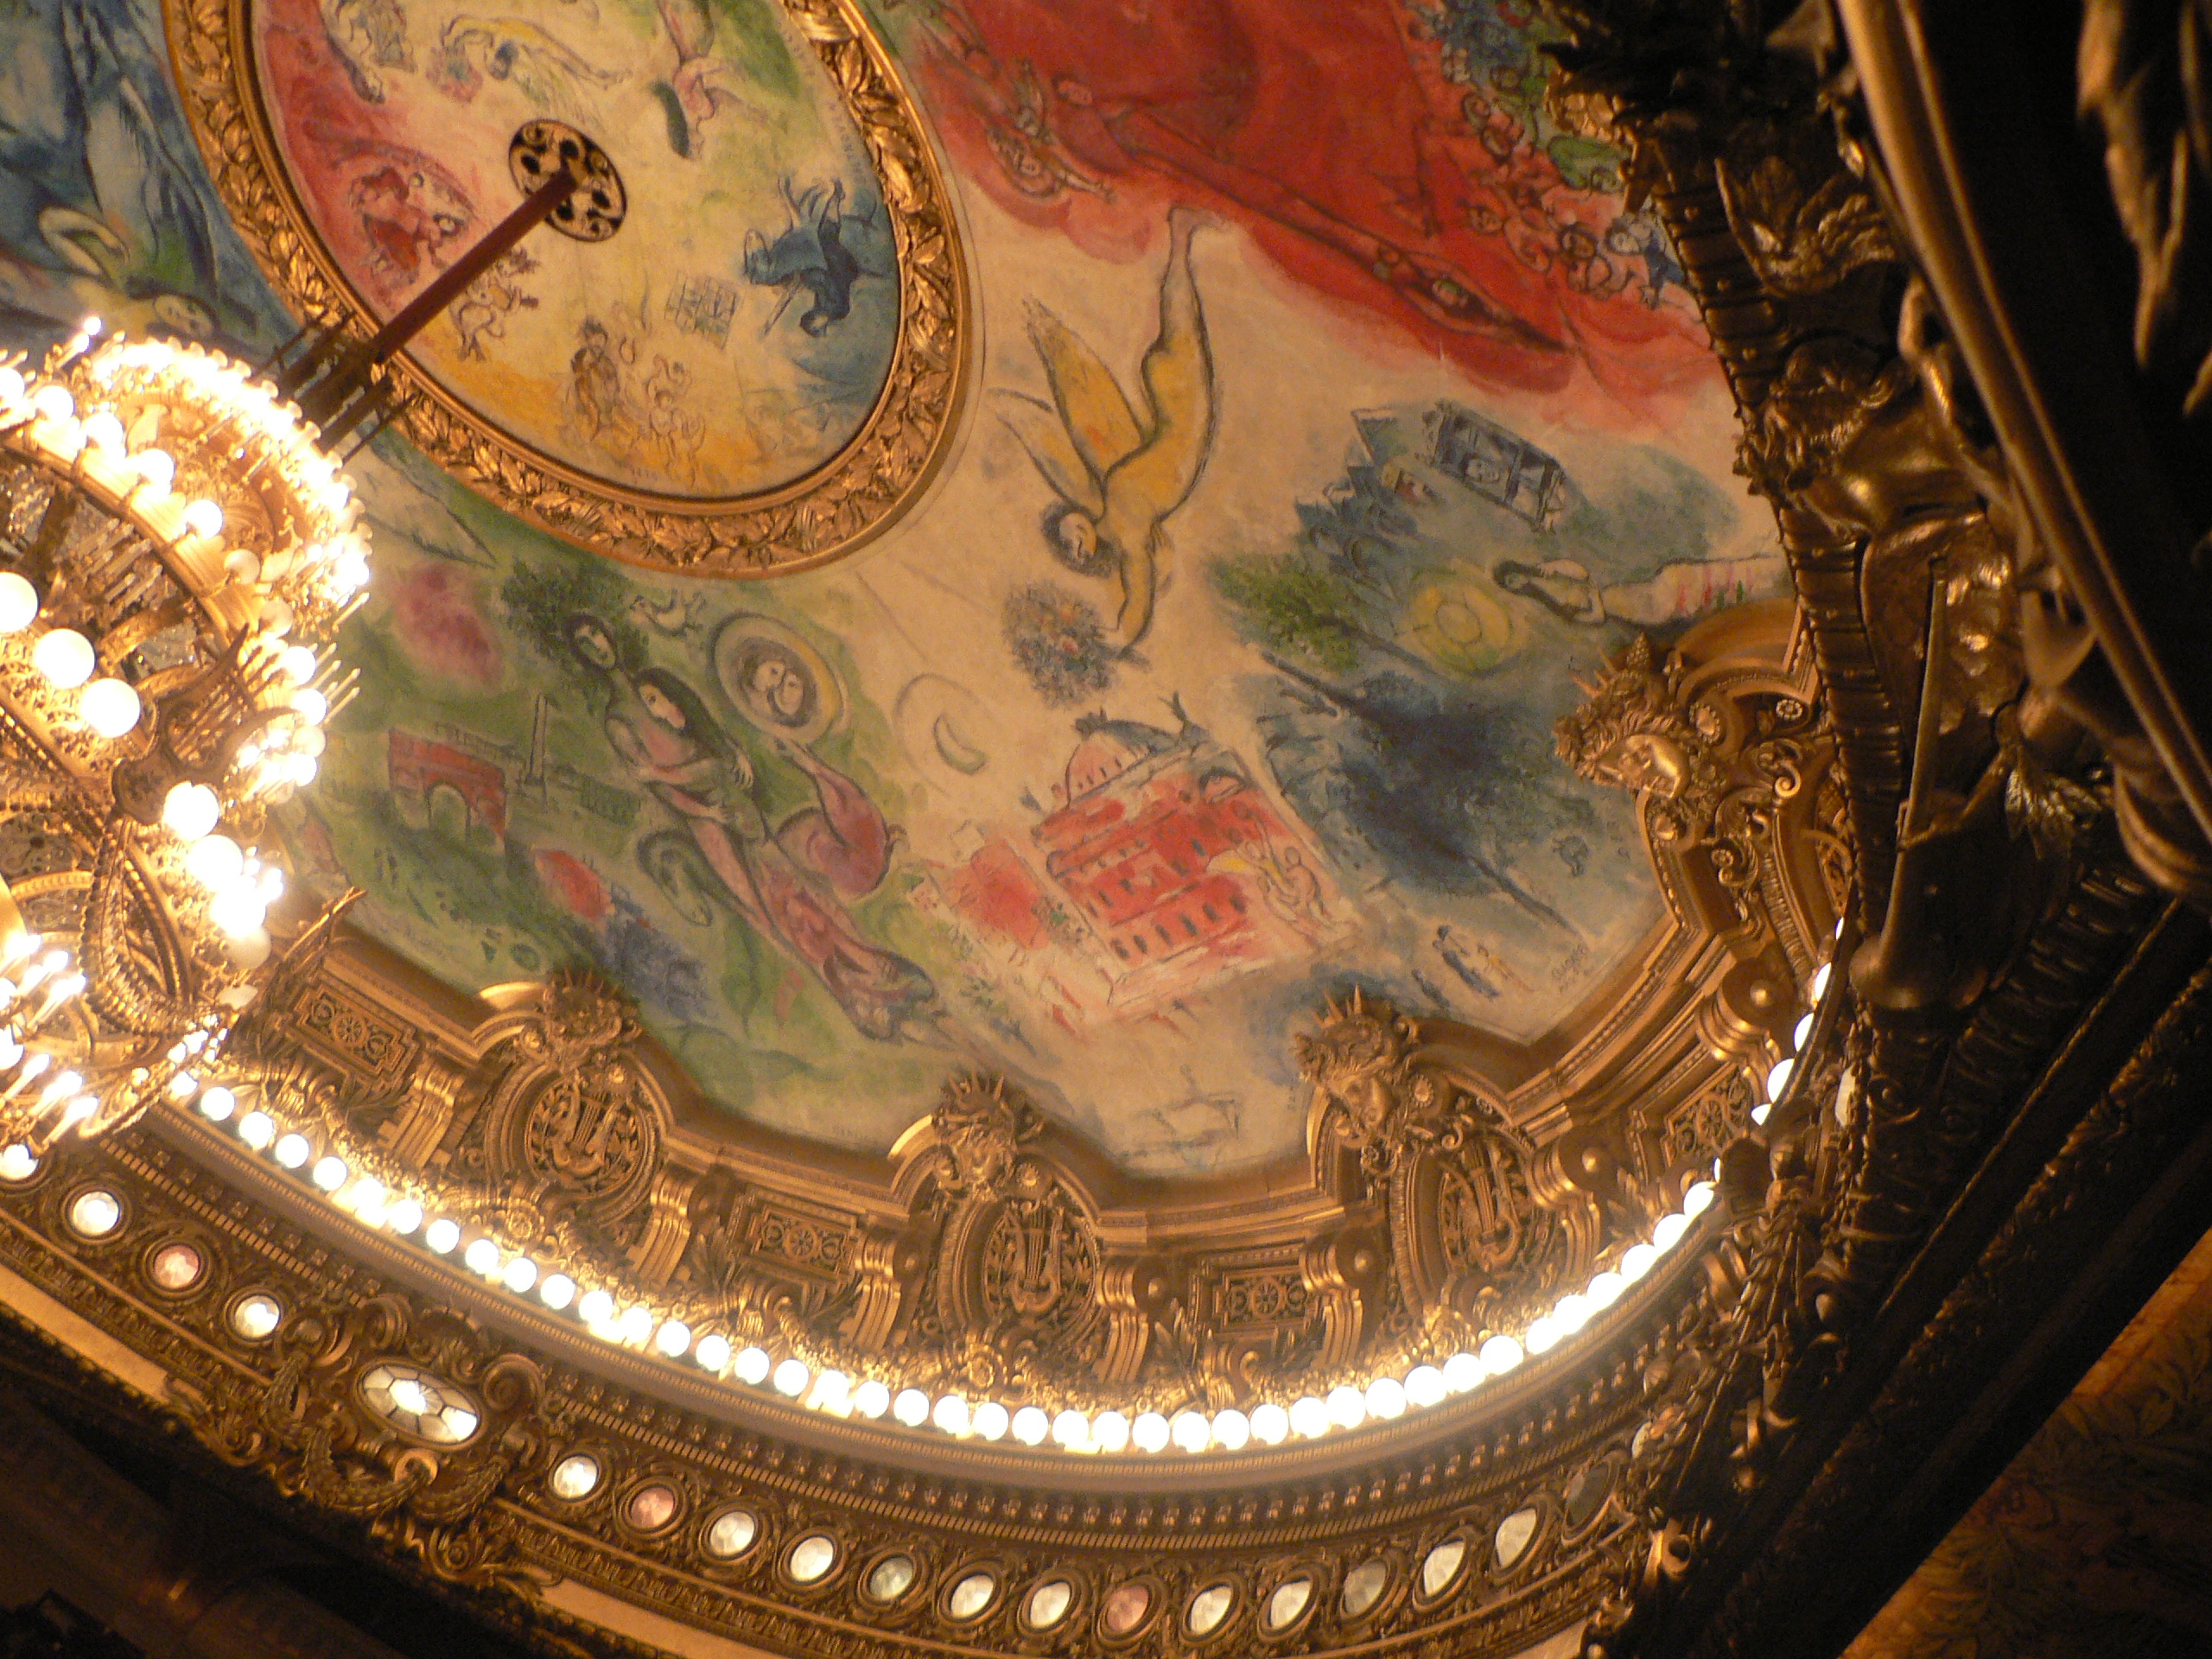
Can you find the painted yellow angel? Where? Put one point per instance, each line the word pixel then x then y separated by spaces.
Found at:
pixel 1119 475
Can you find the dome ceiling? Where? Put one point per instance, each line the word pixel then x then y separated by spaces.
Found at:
pixel 1329 414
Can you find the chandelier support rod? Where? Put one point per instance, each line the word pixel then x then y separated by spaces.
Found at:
pixel 326 397
pixel 566 179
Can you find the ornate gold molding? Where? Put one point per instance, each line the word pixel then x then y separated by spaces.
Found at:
pixel 1451 1191
pixel 838 507
pixel 1486 1533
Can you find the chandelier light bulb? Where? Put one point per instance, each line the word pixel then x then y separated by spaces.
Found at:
pixel 238 910
pixel 54 402
pixel 990 1420
pixel 442 1235
pixel 951 1414
pixel 1604 1289
pixel 1232 1430
pixel 1031 1425
pixel 297 663
pixel 292 1151
pixel 158 468
pixel 558 1291
pixel 596 1308
pixel 1190 1431
pixel 1425 1385
pixel 521 1274
pixel 1543 1334
pixel 833 1391
pixel 673 1339
pixel 1778 1080
pixel 1270 1424
pixel 1111 1432
pixel 912 1407
pixel 329 1173
pixel 1636 1260
pixel 258 1129
pixel 711 1351
pixel 1820 988
pixel 65 657
pixel 1149 1433
pixel 110 707
pixel 18 603
pixel 191 812
pixel 872 1398
pixel 1071 1429
pixel 1309 1418
pixel 204 518
pixel 310 705
pixel 404 1216
pixel 215 861
pixel 753 1366
pixel 637 1323
pixel 103 430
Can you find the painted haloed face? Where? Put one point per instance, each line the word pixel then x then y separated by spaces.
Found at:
pixel 590 642
pixel 783 691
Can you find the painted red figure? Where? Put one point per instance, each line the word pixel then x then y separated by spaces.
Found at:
pixel 1329 129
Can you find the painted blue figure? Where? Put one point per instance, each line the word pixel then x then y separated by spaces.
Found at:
pixel 811 254
pixel 1635 234
pixel 103 205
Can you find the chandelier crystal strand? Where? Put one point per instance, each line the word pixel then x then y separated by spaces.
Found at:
pixel 177 558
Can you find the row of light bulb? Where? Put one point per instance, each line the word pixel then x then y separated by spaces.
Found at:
pixel 334 565
pixel 634 1324
pixel 37 981
pixel 66 661
pixel 1778 1075
pixel 331 566
pixel 286 754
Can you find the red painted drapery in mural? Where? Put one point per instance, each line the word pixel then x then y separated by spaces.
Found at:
pixel 1369 163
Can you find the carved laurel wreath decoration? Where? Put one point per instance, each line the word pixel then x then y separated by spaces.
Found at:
pixel 827 513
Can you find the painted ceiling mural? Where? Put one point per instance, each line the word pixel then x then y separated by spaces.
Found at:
pixel 752 211
pixel 1333 415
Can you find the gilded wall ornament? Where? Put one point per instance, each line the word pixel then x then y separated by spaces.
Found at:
pixel 406 1422
pixel 1477 1234
pixel 575 1123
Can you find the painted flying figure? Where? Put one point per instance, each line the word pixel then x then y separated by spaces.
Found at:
pixel 809 254
pixel 1120 474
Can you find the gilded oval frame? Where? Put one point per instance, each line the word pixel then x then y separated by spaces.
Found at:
pixel 818 517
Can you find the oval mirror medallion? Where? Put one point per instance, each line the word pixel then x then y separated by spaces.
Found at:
pixel 416 1402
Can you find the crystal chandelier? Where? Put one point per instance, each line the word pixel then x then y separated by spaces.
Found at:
pixel 179 556
pixel 178 551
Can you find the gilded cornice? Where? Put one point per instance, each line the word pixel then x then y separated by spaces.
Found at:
pixel 485 1515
